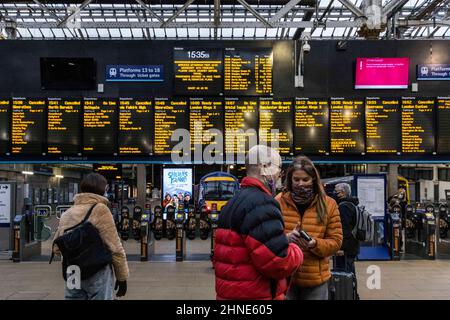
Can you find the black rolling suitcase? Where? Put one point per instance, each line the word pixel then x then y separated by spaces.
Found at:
pixel 342 285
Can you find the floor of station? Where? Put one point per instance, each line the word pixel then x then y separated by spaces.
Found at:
pixel 194 280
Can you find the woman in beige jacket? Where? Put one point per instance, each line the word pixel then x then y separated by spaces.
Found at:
pixel 100 285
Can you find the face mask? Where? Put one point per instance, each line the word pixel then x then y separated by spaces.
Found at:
pixel 302 194
pixel 271 184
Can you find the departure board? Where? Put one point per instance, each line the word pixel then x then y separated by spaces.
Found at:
pixel 135 126
pixel 443 129
pixel 198 71
pixel 311 126
pixel 5 116
pixel 347 126
pixel 275 124
pixel 383 118
pixel 169 115
pixel 248 71
pixel 206 114
pixel 100 126
pixel 28 126
pixel 417 125
pixel 241 125
pixel 64 126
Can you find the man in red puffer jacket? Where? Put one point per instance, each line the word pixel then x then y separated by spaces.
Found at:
pixel 252 256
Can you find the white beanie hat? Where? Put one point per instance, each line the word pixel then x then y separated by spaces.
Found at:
pixel 267 157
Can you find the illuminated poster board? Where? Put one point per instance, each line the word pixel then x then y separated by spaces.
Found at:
pixel 417 125
pixel 169 115
pixel 241 124
pixel 100 126
pixel 28 126
pixel 198 71
pixel 5 125
pixel 275 124
pixel 383 118
pixel 248 71
pixel 443 123
pixel 64 126
pixel 311 124
pixel 135 126
pixel 177 184
pixel 206 114
pixel 347 126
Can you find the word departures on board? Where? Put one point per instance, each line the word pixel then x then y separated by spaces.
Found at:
pixel 311 124
pixel 347 126
pixel 383 133
pixel 100 126
pixel 135 126
pixel 417 125
pixel 198 71
pixel 275 124
pixel 64 126
pixel 28 126
pixel 206 125
pixel 169 115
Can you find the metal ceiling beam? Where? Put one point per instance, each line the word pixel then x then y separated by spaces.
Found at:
pixel 149 10
pixel 255 13
pixel 350 6
pixel 81 7
pixel 176 14
pixel 428 10
pixel 47 10
pixel 216 12
pixel 393 7
pixel 283 11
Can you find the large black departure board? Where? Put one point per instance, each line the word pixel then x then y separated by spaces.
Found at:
pixel 5 124
pixel 28 126
pixel 169 115
pixel 100 126
pixel 275 124
pixel 64 126
pixel 383 118
pixel 443 129
pixel 417 125
pixel 198 71
pixel 248 71
pixel 135 126
pixel 206 126
pixel 347 126
pixel 241 125
pixel 311 126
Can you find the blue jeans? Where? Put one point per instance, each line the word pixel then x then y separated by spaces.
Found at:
pixel 315 293
pixel 98 287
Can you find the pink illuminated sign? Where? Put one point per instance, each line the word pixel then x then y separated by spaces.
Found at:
pixel 382 73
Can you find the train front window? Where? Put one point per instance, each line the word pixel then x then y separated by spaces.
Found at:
pixel 219 190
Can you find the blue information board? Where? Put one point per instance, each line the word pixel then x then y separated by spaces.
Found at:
pixel 135 73
pixel 433 72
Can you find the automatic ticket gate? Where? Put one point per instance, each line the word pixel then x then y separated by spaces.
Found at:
pixel 442 232
pixel 394 231
pixel 41 214
pixel 180 247
pixel 420 228
pixel 60 210
pixel 214 218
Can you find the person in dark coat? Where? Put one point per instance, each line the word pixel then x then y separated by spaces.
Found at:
pixel 252 255
pixel 348 212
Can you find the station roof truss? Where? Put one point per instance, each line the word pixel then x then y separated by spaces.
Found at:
pixel 225 19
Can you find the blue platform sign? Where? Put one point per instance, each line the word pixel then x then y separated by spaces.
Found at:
pixel 135 73
pixel 433 72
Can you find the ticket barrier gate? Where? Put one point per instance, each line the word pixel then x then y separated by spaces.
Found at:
pixel 60 210
pixel 41 214
pixel 125 223
pixel 205 225
pixel 442 232
pixel 137 215
pixel 394 234
pixel 144 235
pixel 157 223
pixel 420 231
pixel 191 223
pixel 214 218
pixel 180 246
pixel 170 223
pixel 19 237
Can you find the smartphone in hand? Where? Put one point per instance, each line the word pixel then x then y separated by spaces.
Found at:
pixel 305 236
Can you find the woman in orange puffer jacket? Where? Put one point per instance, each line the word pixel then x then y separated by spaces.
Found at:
pixel 305 206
